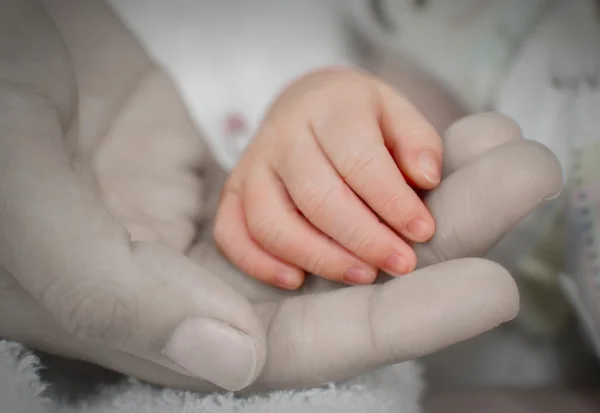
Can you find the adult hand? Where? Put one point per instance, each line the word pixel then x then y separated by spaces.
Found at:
pixel 76 286
pixel 89 238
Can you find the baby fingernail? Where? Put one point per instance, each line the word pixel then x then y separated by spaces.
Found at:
pixel 287 280
pixel 213 351
pixel 357 275
pixel 396 264
pixel 420 229
pixel 429 167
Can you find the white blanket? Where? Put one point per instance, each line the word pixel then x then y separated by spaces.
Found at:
pixel 392 389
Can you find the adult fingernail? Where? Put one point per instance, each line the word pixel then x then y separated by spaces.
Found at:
pixel 357 275
pixel 396 264
pixel 420 229
pixel 213 351
pixel 430 167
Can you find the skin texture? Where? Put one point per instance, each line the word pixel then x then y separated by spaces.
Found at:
pixel 282 215
pixel 96 212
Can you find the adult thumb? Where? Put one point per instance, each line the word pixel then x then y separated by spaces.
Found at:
pixel 189 320
pixel 69 253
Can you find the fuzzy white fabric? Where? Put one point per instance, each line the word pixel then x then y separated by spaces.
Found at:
pixel 20 388
pixel 392 389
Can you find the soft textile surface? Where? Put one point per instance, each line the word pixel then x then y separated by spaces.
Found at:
pixel 20 389
pixel 392 389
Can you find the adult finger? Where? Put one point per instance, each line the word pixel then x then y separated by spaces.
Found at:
pixel 311 340
pixel 330 205
pixel 353 142
pixel 33 54
pixel 471 216
pixel 275 223
pixel 69 253
pixel 474 135
pixel 66 250
pixel 477 204
pixel 237 244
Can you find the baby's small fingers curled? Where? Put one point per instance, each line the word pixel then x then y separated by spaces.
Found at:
pixel 275 223
pixel 236 243
pixel 330 205
pixel 354 144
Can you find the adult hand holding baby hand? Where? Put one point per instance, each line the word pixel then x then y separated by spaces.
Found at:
pixel 338 152
pixel 74 284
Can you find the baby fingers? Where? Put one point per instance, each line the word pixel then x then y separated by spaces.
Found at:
pixel 355 146
pixel 239 246
pixel 330 205
pixel 262 232
pixel 276 224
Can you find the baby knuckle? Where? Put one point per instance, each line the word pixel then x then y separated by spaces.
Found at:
pixel 357 161
pixel 265 228
pixel 247 262
pixel 315 263
pixel 96 311
pixel 393 203
pixel 314 199
pixel 421 130
pixel 360 242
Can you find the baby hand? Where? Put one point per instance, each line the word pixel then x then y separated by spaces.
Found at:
pixel 327 184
